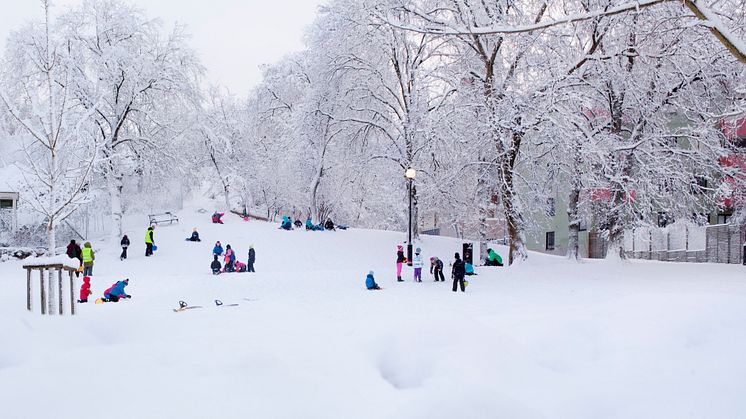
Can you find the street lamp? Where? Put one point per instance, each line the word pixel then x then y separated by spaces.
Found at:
pixel 410 175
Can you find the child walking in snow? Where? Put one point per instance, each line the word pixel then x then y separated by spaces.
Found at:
pixel 417 265
pixel 400 259
pixel 252 258
pixel 125 243
pixel 85 289
pixel 149 241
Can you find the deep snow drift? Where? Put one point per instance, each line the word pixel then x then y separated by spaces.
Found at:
pixel 549 338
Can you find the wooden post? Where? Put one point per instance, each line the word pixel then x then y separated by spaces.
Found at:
pixel 59 289
pixel 50 297
pixel 43 292
pixel 28 289
pixel 72 294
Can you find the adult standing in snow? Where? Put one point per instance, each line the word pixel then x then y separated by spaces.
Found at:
pixel 417 265
pixel 400 259
pixel 252 258
pixel 457 273
pixel 149 241
pixel 436 268
pixel 125 244
pixel 75 252
pixel 88 257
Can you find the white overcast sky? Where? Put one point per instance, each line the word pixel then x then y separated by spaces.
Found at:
pixel 232 37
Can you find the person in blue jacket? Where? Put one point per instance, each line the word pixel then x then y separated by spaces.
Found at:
pixel 218 249
pixel 286 223
pixel 370 282
pixel 116 291
pixel 311 226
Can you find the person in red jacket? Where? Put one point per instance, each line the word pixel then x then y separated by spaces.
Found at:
pixel 85 289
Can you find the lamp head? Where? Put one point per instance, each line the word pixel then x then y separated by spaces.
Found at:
pixel 410 173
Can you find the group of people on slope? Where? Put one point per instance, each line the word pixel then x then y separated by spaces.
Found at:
pixel 114 293
pixel 459 270
pixel 84 255
pixel 287 224
pixel 231 263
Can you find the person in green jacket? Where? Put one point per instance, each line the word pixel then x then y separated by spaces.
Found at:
pixel 88 257
pixel 493 259
pixel 149 241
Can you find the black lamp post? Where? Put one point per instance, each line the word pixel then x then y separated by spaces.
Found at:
pixel 410 175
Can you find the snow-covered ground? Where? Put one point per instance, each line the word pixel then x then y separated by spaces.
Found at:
pixel 548 338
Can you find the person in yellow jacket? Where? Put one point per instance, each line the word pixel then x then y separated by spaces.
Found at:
pixel 88 257
pixel 149 241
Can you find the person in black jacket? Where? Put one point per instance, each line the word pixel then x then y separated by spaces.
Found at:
pixel 436 269
pixel 75 252
pixel 457 272
pixel 252 258
pixel 329 224
pixel 400 261
pixel 215 265
pixel 125 244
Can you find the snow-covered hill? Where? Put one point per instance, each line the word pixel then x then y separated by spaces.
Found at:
pixel 548 338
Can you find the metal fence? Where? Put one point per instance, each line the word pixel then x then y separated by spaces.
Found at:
pixel 723 243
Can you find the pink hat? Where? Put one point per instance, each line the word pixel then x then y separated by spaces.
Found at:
pixel 400 247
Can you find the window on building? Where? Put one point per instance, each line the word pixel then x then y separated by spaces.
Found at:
pixel 664 219
pixel 550 240
pixel 551 207
pixel 6 203
pixel 724 218
pixel 700 185
pixel 701 218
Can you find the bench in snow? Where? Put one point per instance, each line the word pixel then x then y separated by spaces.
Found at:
pixel 166 217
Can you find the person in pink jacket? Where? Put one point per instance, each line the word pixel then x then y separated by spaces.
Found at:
pixel 85 289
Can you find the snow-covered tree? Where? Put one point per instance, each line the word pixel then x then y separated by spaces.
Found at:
pixel 52 127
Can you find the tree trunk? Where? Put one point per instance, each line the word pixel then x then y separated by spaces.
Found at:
pixel 573 225
pixel 513 217
pixel 315 183
pixel 115 197
pixel 51 238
